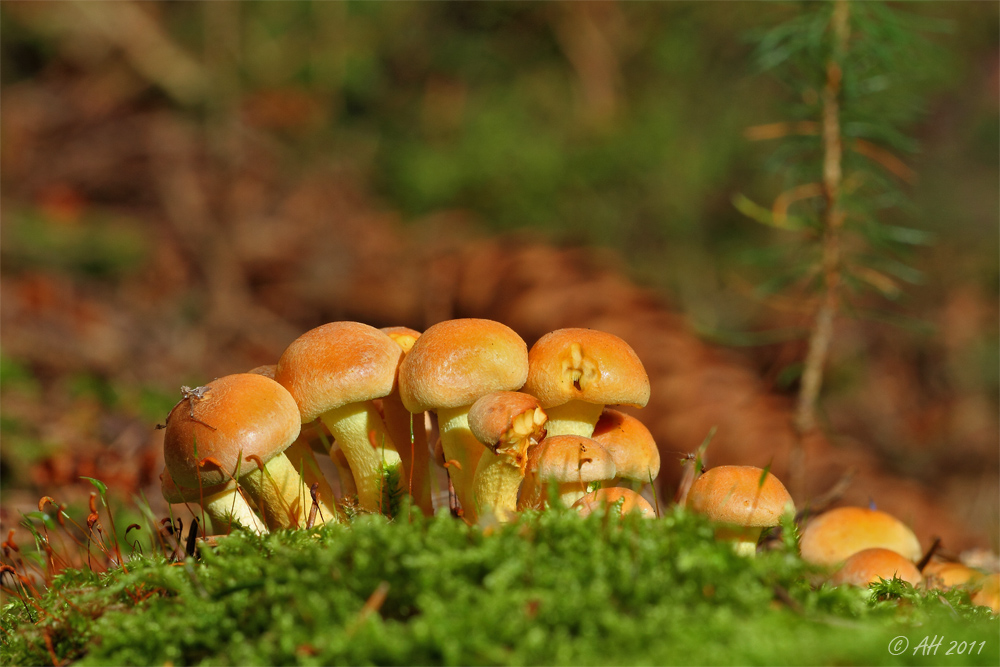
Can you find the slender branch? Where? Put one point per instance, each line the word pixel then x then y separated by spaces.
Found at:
pixel 833 219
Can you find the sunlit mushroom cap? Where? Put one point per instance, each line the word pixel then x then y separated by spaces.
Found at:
pixel 867 566
pixel 570 458
pixel 235 417
pixel 833 536
pixel 585 365
pixel 740 496
pixel 337 364
pixel 603 498
pixel 630 444
pixel 455 362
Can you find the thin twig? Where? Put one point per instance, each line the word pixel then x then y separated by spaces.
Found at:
pixel 833 220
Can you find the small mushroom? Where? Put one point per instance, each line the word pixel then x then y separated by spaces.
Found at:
pixel 572 461
pixel 831 537
pixel 948 574
pixel 576 372
pixel 228 430
pixel 451 366
pixel 743 500
pixel 988 594
pixel 867 566
pixel 631 445
pixel 509 424
pixel 603 498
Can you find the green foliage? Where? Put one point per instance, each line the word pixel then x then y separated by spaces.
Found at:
pixel 885 66
pixel 551 588
pixel 96 246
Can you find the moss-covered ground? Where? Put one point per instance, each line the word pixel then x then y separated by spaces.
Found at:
pixel 549 589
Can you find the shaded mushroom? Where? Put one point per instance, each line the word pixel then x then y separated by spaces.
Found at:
pixel 408 432
pixel 508 423
pixel 573 462
pixel 743 500
pixel 301 454
pixel 631 445
pixel 603 498
pixel 867 566
pixel 223 503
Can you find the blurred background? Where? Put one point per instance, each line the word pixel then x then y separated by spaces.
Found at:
pixel 189 186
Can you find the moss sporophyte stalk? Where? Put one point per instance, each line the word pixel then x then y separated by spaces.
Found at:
pixel 570 590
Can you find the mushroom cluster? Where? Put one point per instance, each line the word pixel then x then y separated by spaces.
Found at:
pixel 512 423
pixel 863 545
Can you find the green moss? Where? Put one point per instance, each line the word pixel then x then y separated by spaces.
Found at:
pixel 549 589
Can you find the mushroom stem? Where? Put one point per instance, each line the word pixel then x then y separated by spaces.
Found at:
pixel 347 486
pixel 570 492
pixel 223 503
pixel 495 486
pixel 459 444
pixel 536 494
pixel 350 426
pixel 573 418
pixel 411 437
pixel 744 540
pixel 301 455
pixel 228 507
pixel 624 483
pixel 277 489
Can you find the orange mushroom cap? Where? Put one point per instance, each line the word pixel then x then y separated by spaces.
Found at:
pixel 740 496
pixel 338 364
pixel 585 365
pixel 570 458
pixel 455 362
pixel 630 444
pixel 867 566
pixel 231 418
pixel 833 536
pixel 946 574
pixel 602 498
pixel 988 594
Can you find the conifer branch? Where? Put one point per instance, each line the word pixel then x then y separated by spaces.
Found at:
pixel 833 221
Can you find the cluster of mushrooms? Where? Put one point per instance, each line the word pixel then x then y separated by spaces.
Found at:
pixel 513 423
pixel 866 544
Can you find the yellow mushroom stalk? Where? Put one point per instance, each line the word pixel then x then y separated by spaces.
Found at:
pixel 224 505
pixel 408 432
